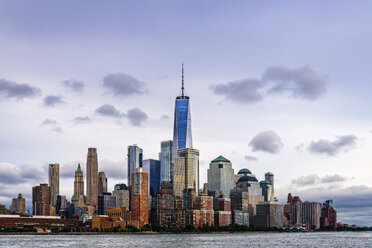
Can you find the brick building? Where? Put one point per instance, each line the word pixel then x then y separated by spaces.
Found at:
pixel 41 200
pixel 139 196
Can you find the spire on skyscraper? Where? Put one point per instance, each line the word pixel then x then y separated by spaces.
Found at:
pixel 182 88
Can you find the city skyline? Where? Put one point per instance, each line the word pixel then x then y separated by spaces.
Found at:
pixel 293 104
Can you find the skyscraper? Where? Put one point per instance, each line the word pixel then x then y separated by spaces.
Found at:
pixel 221 176
pixel 41 200
pixel 18 205
pixel 152 166
pixel 102 183
pixel 54 183
pixel 182 137
pixel 78 197
pixel 140 197
pixel 92 177
pixel 165 157
pixel 186 171
pixel 135 155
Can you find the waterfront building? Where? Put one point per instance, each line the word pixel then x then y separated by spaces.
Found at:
pixel 139 196
pixel 17 221
pixel 182 137
pixel 92 177
pixel 328 215
pixel 221 176
pixel 310 214
pixel 152 167
pixel 240 217
pixel 223 217
pixel 135 156
pixel 3 210
pixel 78 197
pixel 41 200
pixel 117 217
pixel 295 211
pixel 166 161
pixel 18 205
pixel 203 213
pixel 54 183
pixel 102 183
pixel 121 192
pixel 269 177
pixel 186 171
pixel 168 210
pixel 61 205
pixel 106 201
pixel 269 214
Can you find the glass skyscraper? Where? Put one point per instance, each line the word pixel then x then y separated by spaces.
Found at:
pixel 182 137
pixel 152 166
pixel 135 155
pixel 166 165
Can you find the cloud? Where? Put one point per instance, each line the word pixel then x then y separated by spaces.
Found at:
pixel 51 100
pixel 343 143
pixel 114 169
pixel 267 141
pixel 67 170
pixel 108 110
pixel 53 124
pixel 250 158
pixel 82 119
pixel 243 91
pixel 23 173
pixel 164 118
pixel 9 89
pixel 74 85
pixel 303 82
pixel 313 179
pixel 120 84
pixel 136 116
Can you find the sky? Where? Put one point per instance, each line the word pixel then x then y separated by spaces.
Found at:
pixel 279 86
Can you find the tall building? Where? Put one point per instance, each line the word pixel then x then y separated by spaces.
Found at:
pixel 269 214
pixel 102 183
pixel 152 166
pixel 182 137
pixel 41 200
pixel 295 211
pixel 18 205
pixel 61 205
pixel 105 201
pixel 186 171
pixel 140 197
pixel 329 215
pixel 78 196
pixel 135 155
pixel 166 164
pixel 221 176
pixel 54 183
pixel 92 177
pixel 121 192
pixel 310 214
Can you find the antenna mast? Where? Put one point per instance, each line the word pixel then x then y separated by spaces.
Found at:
pixel 182 83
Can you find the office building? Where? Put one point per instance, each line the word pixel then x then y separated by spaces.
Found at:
pixel 328 215
pixel 166 161
pixel 54 183
pixel 269 214
pixel 18 205
pixel 106 201
pixel 310 214
pixel 102 183
pixel 221 176
pixel 92 177
pixel 186 171
pixel 78 197
pixel 41 200
pixel 121 192
pixel 139 196
pixel 135 156
pixel 182 137
pixel 152 167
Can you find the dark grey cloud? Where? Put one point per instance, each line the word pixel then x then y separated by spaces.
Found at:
pixel 136 117
pixel 52 124
pixel 313 179
pixel 243 91
pixel 82 119
pixel 108 110
pixel 51 100
pixel 302 82
pixel 164 117
pixel 250 158
pixel 340 144
pixel 267 141
pixel 121 84
pixel 67 170
pixel 114 169
pixel 12 174
pixel 74 85
pixel 9 89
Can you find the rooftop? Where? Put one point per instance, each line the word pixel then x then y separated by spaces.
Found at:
pixel 220 159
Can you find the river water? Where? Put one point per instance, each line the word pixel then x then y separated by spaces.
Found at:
pixel 322 239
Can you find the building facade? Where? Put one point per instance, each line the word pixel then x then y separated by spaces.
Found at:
pixel 186 171
pixel 106 201
pixel 122 196
pixel 152 167
pixel 221 176
pixel 78 197
pixel 102 183
pixel 310 214
pixel 166 164
pixel 269 214
pixel 41 200
pixel 140 197
pixel 54 183
pixel 92 177
pixel 18 205
pixel 135 156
